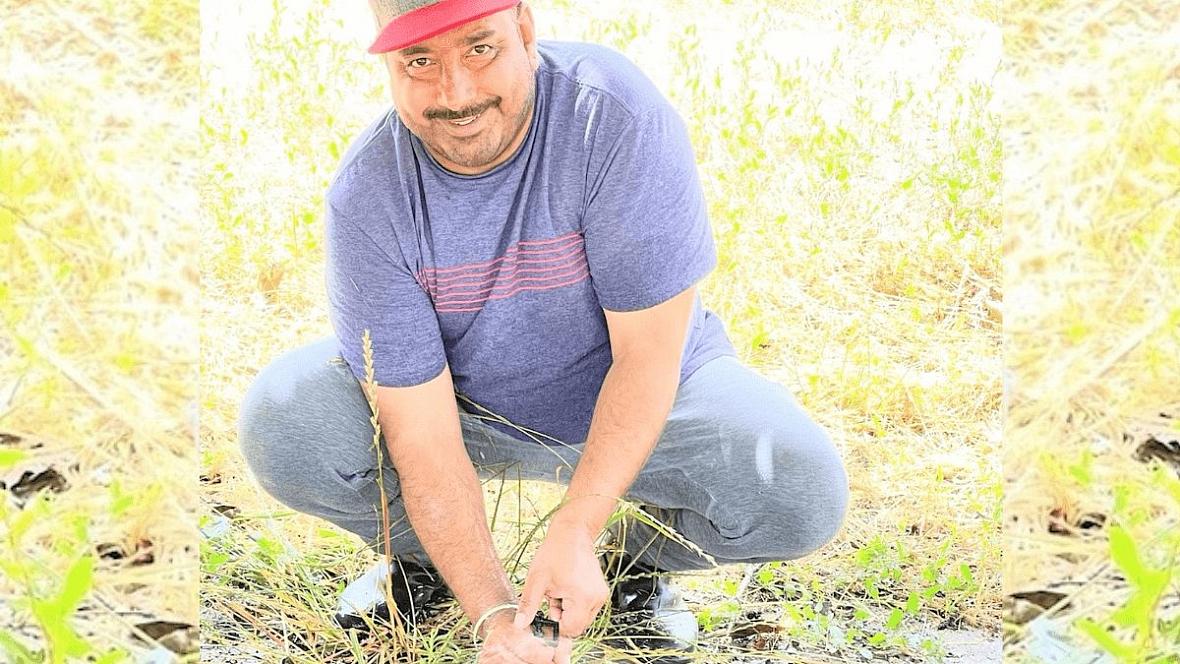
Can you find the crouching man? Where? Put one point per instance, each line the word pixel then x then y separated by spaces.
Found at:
pixel 522 235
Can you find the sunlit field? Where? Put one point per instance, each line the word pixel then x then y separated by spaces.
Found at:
pixel 98 341
pixel 1091 98
pixel 850 156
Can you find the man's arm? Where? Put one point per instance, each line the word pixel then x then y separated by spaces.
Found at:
pixel 632 407
pixel 442 494
pixel 633 404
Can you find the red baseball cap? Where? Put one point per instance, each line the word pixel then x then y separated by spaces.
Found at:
pixel 423 19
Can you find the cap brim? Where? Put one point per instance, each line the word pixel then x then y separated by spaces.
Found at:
pixel 432 20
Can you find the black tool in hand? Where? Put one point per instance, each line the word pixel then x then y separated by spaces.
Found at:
pixel 545 629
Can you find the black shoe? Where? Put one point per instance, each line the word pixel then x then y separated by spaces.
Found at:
pixel 649 617
pixel 418 593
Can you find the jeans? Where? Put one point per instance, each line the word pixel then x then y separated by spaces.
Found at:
pixel 739 470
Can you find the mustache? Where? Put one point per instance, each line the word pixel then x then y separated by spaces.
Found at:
pixel 445 114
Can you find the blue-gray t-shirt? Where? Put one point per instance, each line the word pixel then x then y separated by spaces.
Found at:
pixel 504 275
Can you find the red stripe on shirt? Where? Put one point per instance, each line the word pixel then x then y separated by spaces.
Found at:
pixel 511 251
pixel 578 276
pixel 528 265
pixel 509 270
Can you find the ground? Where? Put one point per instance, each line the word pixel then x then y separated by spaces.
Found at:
pixel 99 299
pixel 1091 93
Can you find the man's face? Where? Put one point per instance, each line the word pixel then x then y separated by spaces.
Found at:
pixel 483 69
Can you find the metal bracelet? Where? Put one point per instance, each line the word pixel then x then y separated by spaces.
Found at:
pixel 487 614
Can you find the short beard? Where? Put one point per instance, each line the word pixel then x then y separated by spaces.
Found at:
pixel 479 157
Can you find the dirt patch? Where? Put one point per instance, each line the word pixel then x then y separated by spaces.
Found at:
pixel 968 646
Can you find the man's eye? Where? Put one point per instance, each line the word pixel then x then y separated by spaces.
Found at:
pixel 481 49
pixel 419 62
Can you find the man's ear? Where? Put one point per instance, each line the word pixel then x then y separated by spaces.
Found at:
pixel 528 32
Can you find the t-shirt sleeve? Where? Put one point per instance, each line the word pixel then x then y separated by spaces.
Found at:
pixel 370 287
pixel 645 225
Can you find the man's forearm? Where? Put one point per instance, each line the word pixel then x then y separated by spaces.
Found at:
pixel 633 404
pixel 445 504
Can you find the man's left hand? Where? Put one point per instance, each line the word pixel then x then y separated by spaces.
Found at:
pixel 566 571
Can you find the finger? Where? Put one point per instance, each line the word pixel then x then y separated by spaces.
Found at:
pixel 575 617
pixel 565 649
pixel 555 608
pixel 530 600
pixel 533 651
pixel 503 653
pixel 490 654
pixel 498 654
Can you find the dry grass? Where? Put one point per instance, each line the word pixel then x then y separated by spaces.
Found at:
pixel 98 353
pixel 1091 93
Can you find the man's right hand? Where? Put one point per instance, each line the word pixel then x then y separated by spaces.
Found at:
pixel 505 643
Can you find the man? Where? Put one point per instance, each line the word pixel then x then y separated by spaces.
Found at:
pixel 522 237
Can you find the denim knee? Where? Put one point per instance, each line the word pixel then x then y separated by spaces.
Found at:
pixel 802 491
pixel 258 439
pixel 282 418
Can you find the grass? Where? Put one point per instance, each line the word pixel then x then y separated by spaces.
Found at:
pixel 98 352
pixel 850 155
pixel 1092 330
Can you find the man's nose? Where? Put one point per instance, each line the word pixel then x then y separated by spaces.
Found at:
pixel 457 88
